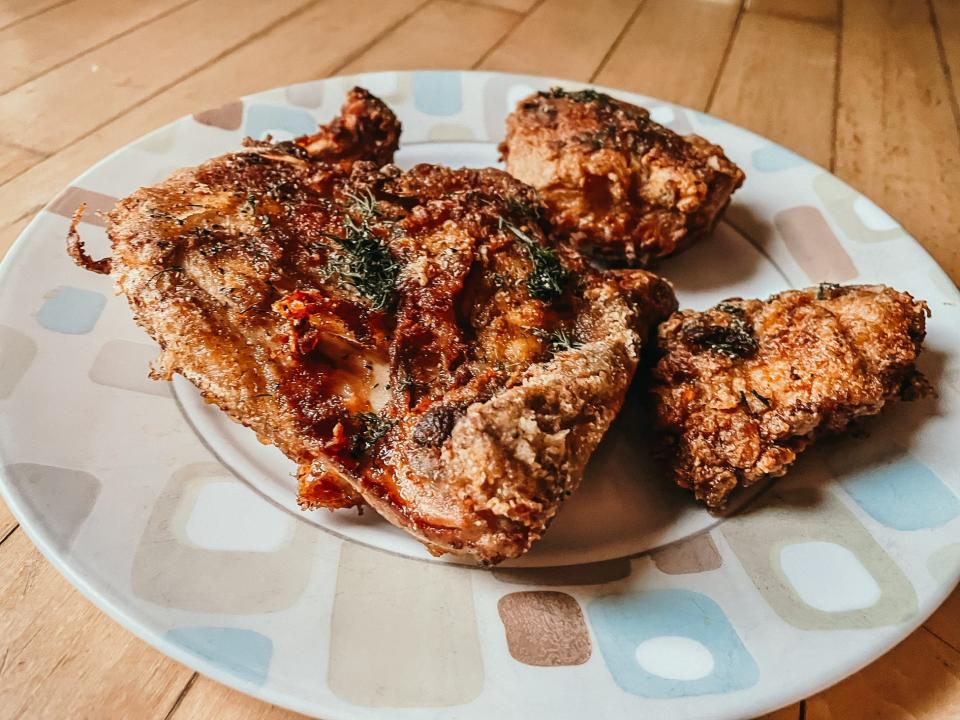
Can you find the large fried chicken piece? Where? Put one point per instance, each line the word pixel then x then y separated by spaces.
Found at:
pixel 741 389
pixel 411 339
pixel 624 188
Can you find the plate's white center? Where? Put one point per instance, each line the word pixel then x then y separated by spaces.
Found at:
pixel 674 657
pixel 625 505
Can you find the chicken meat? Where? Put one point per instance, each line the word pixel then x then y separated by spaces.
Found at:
pixel 741 389
pixel 414 340
pixel 625 189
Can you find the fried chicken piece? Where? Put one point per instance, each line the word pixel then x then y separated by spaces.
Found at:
pixel 741 389
pixel 624 188
pixel 413 340
pixel 366 129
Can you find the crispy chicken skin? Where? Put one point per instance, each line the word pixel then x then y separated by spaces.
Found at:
pixel 741 389
pixel 413 340
pixel 366 129
pixel 625 189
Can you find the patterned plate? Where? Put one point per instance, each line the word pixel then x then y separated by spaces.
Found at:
pixel 637 604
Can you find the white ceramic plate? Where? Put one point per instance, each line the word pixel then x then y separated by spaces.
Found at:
pixel 638 603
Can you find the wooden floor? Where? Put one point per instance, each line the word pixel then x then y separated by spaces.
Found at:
pixel 867 88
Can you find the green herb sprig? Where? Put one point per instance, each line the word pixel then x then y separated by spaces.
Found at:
pixel 558 340
pixel 549 276
pixel 586 95
pixel 372 428
pixel 827 290
pixel 365 263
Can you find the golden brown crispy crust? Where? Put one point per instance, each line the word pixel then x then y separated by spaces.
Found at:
pixel 366 129
pixel 744 387
pixel 624 188
pixel 392 332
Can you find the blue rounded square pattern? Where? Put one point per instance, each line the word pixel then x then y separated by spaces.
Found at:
pixel 71 310
pixel 622 622
pixel 270 118
pixel 245 654
pixel 773 158
pixel 902 493
pixel 437 93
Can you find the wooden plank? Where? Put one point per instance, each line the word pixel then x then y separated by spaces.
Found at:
pixel 945 622
pixel 9 233
pixel 209 699
pixel 816 10
pixel 917 680
pixel 791 712
pixel 98 85
pixel 305 47
pixel 12 11
pixel 670 60
pixel 30 48
pixel 785 95
pixel 7 521
pixel 14 160
pixel 459 36
pixel 563 38
pixel 947 16
pixel 520 6
pixel 63 658
pixel 897 140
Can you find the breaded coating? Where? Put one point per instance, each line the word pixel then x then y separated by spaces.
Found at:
pixel 624 188
pixel 741 389
pixel 413 340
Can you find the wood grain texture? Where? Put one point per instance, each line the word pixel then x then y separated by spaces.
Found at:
pixel 791 712
pixel 7 521
pixel 946 13
pixel 563 38
pixel 945 622
pixel 672 50
pixel 13 11
pixel 897 139
pixel 14 160
pixel 520 6
pixel 302 48
pixel 9 233
pixel 63 658
pixel 459 36
pixel 100 84
pixel 917 680
pixel 785 95
pixel 817 10
pixel 30 48
pixel 209 699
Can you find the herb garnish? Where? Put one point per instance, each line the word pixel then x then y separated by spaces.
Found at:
pixel 558 340
pixel 586 95
pixel 372 428
pixel 731 309
pixel 761 398
pixel 735 340
pixel 365 263
pixel 827 290
pixel 171 269
pixel 548 277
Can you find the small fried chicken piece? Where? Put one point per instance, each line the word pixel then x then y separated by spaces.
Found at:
pixel 741 389
pixel 366 129
pixel 625 189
